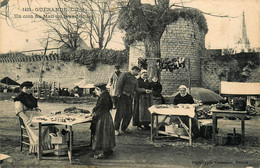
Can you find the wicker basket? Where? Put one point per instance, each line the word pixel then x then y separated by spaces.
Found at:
pixel 221 139
pixel 171 129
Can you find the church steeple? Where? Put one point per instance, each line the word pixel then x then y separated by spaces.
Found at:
pixel 243 43
pixel 244 33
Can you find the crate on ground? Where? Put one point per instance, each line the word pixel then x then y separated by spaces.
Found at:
pixel 58 138
pixel 175 129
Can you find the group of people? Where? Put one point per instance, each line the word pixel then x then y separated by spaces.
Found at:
pixel 130 96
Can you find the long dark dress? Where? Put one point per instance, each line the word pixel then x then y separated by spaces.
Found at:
pixel 187 99
pixel 141 114
pixel 102 126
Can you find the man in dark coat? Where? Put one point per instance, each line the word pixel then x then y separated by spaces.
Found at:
pixel 127 85
pixel 102 127
pixel 141 114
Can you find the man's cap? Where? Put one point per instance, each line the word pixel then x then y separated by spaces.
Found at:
pixel 99 85
pixel 182 87
pixel 117 66
pixel 27 84
pixel 136 68
pixel 143 71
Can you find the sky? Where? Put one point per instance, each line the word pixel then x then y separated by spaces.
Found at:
pixel 223 32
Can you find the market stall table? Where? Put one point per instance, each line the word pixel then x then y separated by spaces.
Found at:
pixel 168 111
pixel 227 113
pixel 62 119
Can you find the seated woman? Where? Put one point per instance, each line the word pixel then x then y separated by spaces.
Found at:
pixel 184 98
pixel 26 108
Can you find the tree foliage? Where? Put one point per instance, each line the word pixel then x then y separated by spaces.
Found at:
pixel 156 18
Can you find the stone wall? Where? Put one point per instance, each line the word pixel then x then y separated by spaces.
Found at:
pixel 180 39
pixel 56 70
pixel 215 67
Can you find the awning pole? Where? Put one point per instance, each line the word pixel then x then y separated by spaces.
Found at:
pixel 189 76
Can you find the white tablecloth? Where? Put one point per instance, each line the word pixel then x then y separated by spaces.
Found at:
pixel 54 119
pixel 170 110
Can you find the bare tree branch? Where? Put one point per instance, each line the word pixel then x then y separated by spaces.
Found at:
pixel 4 3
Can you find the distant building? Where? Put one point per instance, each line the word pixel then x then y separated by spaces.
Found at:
pixel 81 43
pixel 242 45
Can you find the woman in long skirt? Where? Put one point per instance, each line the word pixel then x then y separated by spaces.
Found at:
pixel 26 108
pixel 102 126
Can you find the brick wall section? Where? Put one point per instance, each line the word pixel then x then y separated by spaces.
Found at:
pixel 180 39
pixel 136 50
pixel 57 69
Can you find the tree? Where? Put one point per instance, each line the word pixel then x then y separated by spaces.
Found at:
pixel 145 22
pixel 5 10
pixel 99 20
pixel 94 20
pixel 64 26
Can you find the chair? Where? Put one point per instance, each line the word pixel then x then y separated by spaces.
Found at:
pixel 24 134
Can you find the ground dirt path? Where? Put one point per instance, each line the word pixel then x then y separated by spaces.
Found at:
pixel 134 150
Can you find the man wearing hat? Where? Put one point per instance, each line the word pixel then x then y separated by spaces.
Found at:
pixel 127 85
pixel 112 83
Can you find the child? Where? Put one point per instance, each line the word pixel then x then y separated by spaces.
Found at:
pixel 102 127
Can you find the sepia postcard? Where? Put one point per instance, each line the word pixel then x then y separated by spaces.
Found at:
pixel 130 83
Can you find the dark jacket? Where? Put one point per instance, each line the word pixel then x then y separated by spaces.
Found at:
pixel 27 99
pixel 157 88
pixel 104 105
pixel 127 84
pixel 143 84
pixel 188 99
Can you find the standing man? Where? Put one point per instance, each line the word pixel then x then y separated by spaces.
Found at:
pixel 112 83
pixel 127 85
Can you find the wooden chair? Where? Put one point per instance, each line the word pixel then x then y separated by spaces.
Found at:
pixel 24 135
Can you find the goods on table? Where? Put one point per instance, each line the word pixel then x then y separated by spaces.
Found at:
pixel 223 106
pixel 69 115
pixel 76 110
pixel 185 106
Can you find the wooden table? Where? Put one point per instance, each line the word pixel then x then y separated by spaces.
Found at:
pixel 227 113
pixel 67 124
pixel 168 112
